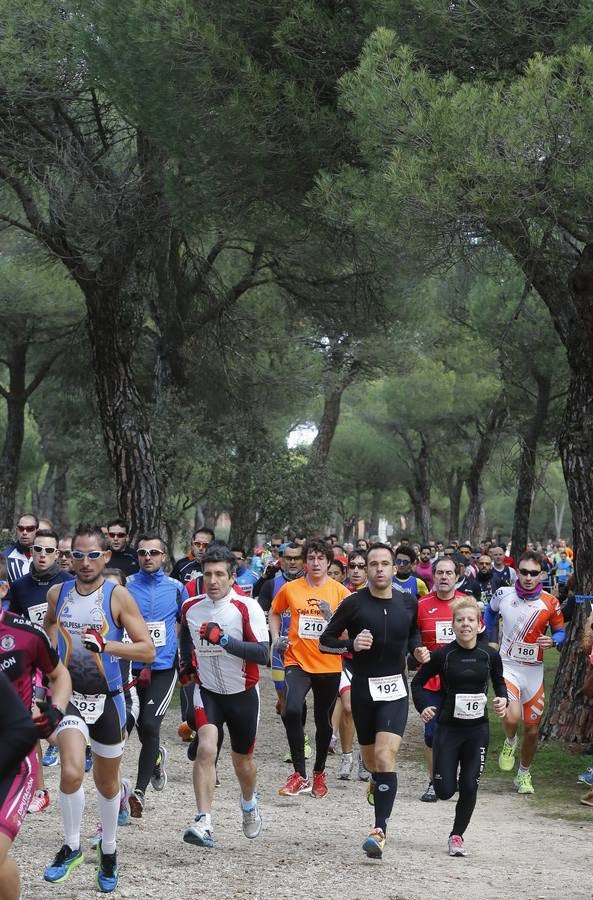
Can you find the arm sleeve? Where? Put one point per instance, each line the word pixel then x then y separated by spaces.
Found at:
pixel 252 651
pixel 331 640
pixel 186 645
pixel 414 636
pixel 491 622
pixel 264 596
pixel 498 682
pixel 19 734
pixel 424 674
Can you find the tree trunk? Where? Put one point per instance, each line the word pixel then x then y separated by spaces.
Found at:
pixel 526 475
pixel 455 487
pixel 569 715
pixel 375 509
pixel 114 322
pixel 16 398
pixel 59 512
pixel 316 512
pixel 474 524
pixel 419 492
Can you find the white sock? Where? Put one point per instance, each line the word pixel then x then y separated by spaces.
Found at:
pixel 522 771
pixel 108 813
pixel 247 804
pixel 72 806
pixel 511 741
pixel 205 820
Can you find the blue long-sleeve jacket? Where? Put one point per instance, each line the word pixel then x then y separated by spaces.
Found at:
pixel 159 600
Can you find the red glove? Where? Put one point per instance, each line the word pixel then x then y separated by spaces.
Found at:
pixel 211 632
pixel 93 640
pixel 49 719
pixel 144 677
pixel 187 673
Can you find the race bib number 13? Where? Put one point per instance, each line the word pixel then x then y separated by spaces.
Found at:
pixel 444 632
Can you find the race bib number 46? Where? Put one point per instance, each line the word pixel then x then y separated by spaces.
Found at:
pixel 469 706
pixel 525 652
pixel 444 632
pixel 90 706
pixel 311 627
pixel 387 687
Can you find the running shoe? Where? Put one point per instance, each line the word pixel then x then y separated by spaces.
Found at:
pixel 123 817
pixel 88 759
pixel 586 777
pixel 64 862
pixel 159 779
pixel 456 847
pixel 51 757
pixel 333 744
pixel 319 788
pixel 523 783
pixel 307 747
pixel 252 820
pixel 107 874
pixel 374 844
pixel 371 785
pixel 429 795
pixel 185 732
pixel 198 834
pixel 295 784
pixel 39 801
pixel 136 804
pixel 363 774
pixel 98 837
pixel 346 767
pixel 506 759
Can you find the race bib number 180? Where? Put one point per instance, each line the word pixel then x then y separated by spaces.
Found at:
pixel 525 652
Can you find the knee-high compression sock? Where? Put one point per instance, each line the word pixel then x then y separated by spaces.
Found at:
pixel 72 807
pixel 385 791
pixel 108 812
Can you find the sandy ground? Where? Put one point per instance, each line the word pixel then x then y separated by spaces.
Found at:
pixel 312 848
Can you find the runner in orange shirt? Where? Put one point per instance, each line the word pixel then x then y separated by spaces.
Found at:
pixel 311 601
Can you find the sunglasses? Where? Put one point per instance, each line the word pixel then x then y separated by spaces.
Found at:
pixel 149 552
pixel 117 534
pixel 530 572
pixel 65 554
pixel 200 543
pixel 357 565
pixel 403 562
pixel 276 546
pixel 290 559
pixel 49 550
pixel 27 528
pixel 92 554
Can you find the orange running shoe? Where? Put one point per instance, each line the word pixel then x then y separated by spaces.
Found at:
pixel 295 784
pixel 319 785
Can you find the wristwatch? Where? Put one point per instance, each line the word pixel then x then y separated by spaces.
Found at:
pixel 224 641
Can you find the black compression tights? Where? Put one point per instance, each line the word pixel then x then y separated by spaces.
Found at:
pixel 460 748
pixel 325 691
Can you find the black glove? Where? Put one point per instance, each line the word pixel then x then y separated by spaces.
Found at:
pixel 49 719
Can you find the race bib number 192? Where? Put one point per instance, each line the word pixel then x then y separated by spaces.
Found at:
pixel 387 687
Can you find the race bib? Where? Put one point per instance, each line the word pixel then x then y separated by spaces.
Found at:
pixel 387 687
pixel 444 632
pixel 158 633
pixel 90 706
pixel 469 706
pixel 37 613
pixel 525 652
pixel 311 627
pixel 205 649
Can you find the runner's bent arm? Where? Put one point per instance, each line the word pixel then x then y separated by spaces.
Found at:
pixel 50 624
pixel 332 640
pixel 429 670
pixel 126 613
pixel 19 734
pixel 61 686
pixel 252 651
pixel 496 674
pixel 274 623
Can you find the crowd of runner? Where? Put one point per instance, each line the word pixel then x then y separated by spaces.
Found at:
pixel 95 637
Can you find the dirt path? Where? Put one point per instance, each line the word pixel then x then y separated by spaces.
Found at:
pixel 312 848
